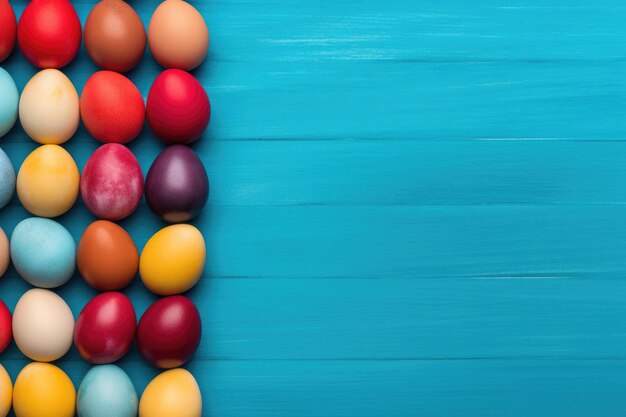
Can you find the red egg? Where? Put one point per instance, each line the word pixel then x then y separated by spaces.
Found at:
pixel 112 107
pixel 112 183
pixel 5 327
pixel 8 29
pixel 49 33
pixel 178 108
pixel 169 332
pixel 105 329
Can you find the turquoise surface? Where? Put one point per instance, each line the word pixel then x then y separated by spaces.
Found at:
pixel 418 208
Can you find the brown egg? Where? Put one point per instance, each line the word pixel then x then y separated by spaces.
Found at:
pixel 4 252
pixel 114 36
pixel 107 257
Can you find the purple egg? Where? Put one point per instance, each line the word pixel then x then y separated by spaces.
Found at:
pixel 177 185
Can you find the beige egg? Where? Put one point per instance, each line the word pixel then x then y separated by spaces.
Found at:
pixel 5 255
pixel 49 108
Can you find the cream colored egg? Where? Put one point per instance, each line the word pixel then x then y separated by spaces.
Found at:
pixel 49 108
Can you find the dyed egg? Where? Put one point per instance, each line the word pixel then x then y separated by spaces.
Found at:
pixel 105 329
pixel 169 332
pixel 49 33
pixel 6 392
pixel 5 253
pixel 47 182
pixel 107 391
pixel 43 390
pixel 177 185
pixel 5 329
pixel 173 393
pixel 114 36
pixel 107 257
pixel 7 179
pixel 178 108
pixel 43 325
pixel 111 107
pixel 112 182
pixel 9 94
pixel 8 32
pixel 173 260
pixel 178 35
pixel 49 107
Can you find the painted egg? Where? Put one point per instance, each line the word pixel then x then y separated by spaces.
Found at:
pixel 173 259
pixel 178 108
pixel 107 257
pixel 111 107
pixel 5 253
pixel 10 97
pixel 178 35
pixel 47 182
pixel 177 185
pixel 8 32
pixel 6 392
pixel 114 36
pixel 7 179
pixel 43 390
pixel 112 182
pixel 107 391
pixel 43 325
pixel 49 33
pixel 173 393
pixel 169 332
pixel 105 329
pixel 49 107
pixel 5 328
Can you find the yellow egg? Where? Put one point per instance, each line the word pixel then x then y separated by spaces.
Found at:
pixel 49 107
pixel 173 260
pixel 47 183
pixel 174 393
pixel 6 392
pixel 43 390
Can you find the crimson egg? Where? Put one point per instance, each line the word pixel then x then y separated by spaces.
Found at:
pixel 8 29
pixel 5 327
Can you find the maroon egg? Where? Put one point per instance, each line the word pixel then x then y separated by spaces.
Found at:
pixel 112 183
pixel 169 332
pixel 105 329
pixel 177 185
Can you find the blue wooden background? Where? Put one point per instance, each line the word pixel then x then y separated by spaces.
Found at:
pixel 418 208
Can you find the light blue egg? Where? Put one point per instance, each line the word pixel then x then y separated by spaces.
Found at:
pixel 9 99
pixel 107 391
pixel 43 252
pixel 7 178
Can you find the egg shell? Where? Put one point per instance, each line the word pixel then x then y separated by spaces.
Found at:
pixel 8 32
pixel 10 97
pixel 7 179
pixel 43 325
pixel 177 185
pixel 112 108
pixel 49 33
pixel 47 182
pixel 43 390
pixel 178 35
pixel 115 38
pixel 107 391
pixel 6 392
pixel 49 107
pixel 112 182
pixel 173 393
pixel 107 257
pixel 105 329
pixel 6 333
pixel 173 259
pixel 5 253
pixel 178 108
pixel 169 332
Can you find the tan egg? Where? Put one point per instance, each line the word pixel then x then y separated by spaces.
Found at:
pixel 5 255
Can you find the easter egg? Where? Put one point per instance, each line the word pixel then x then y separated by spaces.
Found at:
pixel 173 259
pixel 114 36
pixel 112 182
pixel 47 182
pixel 173 393
pixel 177 35
pixel 8 33
pixel 6 392
pixel 49 107
pixel 7 179
pixel 107 257
pixel 178 108
pixel 105 329
pixel 169 332
pixel 111 106
pixel 49 33
pixel 10 97
pixel 5 328
pixel 177 185
pixel 43 325
pixel 5 253
pixel 43 390
pixel 107 391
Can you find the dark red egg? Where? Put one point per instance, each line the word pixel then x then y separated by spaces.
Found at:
pixel 169 332
pixel 105 329
pixel 6 334
pixel 178 108
pixel 49 33
pixel 8 29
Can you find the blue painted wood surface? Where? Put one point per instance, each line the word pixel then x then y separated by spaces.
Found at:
pixel 417 208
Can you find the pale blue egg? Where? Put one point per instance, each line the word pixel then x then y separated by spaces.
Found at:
pixel 8 103
pixel 7 178
pixel 43 252
pixel 107 391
